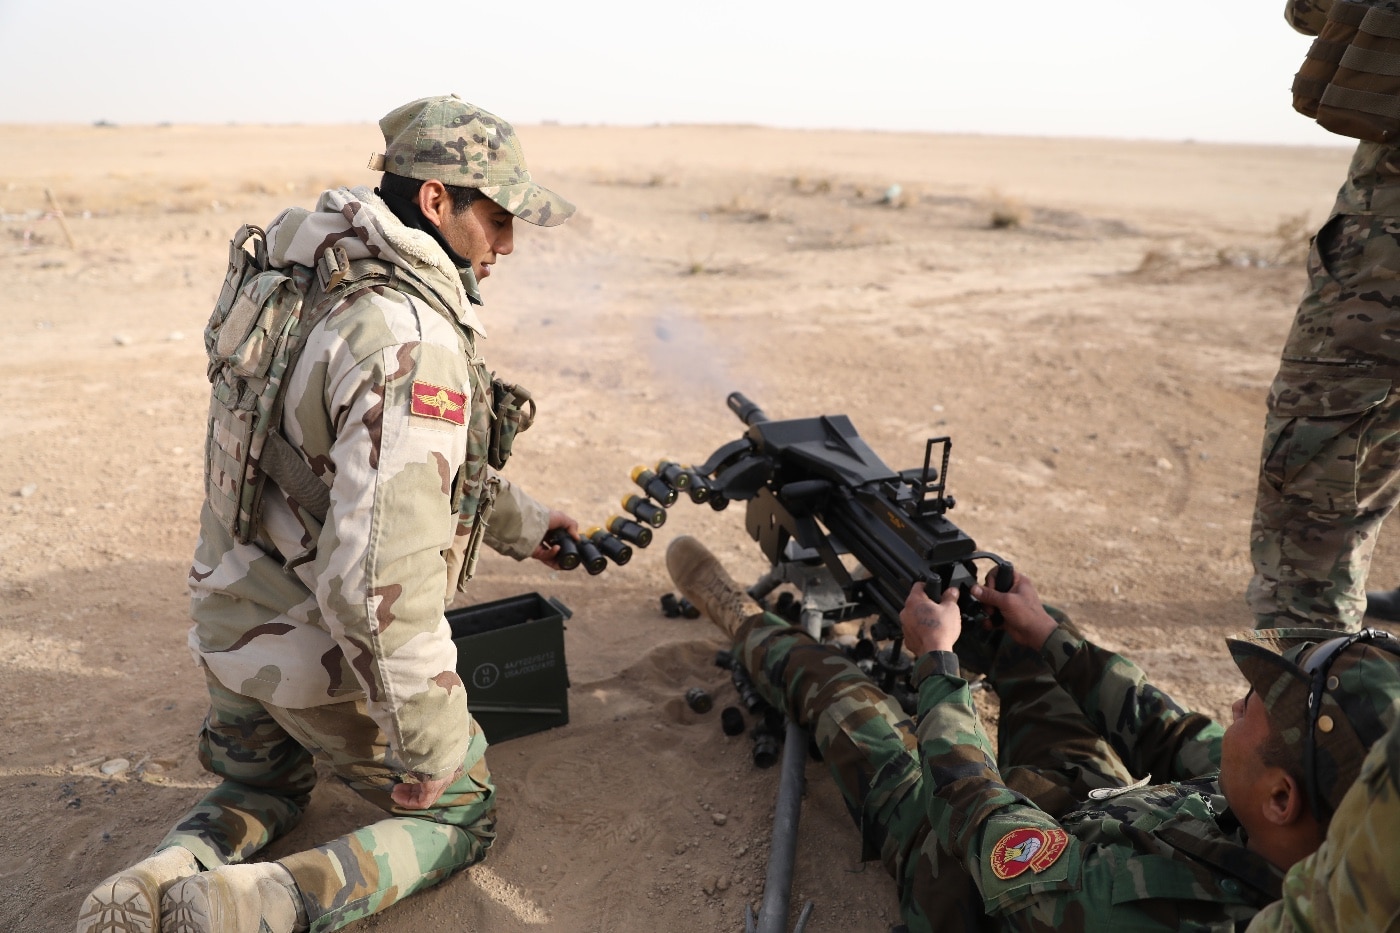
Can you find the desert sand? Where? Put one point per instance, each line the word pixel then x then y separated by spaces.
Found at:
pixel 1095 323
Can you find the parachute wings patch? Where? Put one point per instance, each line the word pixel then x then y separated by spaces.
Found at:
pixel 432 401
pixel 1027 848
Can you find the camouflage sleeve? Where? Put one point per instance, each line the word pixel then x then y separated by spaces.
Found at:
pixel 518 522
pixel 379 569
pixel 1352 882
pixel 959 764
pixel 1032 874
pixel 1149 731
pixel 989 829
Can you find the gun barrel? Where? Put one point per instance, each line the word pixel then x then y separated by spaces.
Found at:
pixel 747 411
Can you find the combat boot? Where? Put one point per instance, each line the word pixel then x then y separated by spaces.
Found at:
pixel 1384 605
pixel 258 898
pixel 129 901
pixel 701 579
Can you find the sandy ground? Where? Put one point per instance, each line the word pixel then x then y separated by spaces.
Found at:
pixel 1101 362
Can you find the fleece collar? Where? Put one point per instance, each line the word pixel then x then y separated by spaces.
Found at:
pixel 360 222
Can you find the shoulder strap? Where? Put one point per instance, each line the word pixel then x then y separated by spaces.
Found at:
pixel 335 275
pixel 285 467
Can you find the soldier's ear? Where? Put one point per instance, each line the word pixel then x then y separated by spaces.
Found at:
pixel 1286 804
pixel 434 201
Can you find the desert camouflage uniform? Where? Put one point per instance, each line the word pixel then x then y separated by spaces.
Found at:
pixel 1352 882
pixel 1139 856
pixel 330 638
pixel 1330 464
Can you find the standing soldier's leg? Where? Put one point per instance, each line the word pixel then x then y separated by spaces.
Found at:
pixel 865 738
pixel 1316 522
pixel 1330 461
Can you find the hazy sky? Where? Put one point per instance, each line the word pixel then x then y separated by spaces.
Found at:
pixel 1219 71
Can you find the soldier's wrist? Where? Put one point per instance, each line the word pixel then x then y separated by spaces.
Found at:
pixel 941 663
pixel 1060 645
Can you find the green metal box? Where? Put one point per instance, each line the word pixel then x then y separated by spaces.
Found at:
pixel 510 654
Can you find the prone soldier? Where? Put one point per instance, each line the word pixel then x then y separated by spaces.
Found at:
pixel 1108 806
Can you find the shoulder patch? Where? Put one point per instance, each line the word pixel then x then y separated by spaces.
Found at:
pixel 1027 848
pixel 432 401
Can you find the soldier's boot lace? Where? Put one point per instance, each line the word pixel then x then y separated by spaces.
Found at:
pixel 257 898
pixel 701 579
pixel 129 901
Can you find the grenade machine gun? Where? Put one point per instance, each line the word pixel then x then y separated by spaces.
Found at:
pixel 850 533
pixel 853 536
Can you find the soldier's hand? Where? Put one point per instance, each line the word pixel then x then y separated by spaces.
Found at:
pixel 424 795
pixel 1023 615
pixel 548 554
pixel 928 625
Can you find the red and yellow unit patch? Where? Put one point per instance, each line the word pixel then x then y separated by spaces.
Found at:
pixel 1027 848
pixel 432 401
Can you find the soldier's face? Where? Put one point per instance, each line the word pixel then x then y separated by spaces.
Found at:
pixel 482 233
pixel 1243 774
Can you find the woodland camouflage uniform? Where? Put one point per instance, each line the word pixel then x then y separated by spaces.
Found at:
pixel 1330 464
pixel 1102 811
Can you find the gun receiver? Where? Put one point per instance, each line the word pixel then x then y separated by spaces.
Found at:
pixel 814 483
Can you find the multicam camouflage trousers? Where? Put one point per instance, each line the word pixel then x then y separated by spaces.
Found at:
pixel 265 755
pixel 1330 465
pixel 1047 750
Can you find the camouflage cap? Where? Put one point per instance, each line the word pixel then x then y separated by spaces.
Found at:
pixel 1357 684
pixel 462 145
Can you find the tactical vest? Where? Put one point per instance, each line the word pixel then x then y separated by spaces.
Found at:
pixel 1350 80
pixel 254 338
